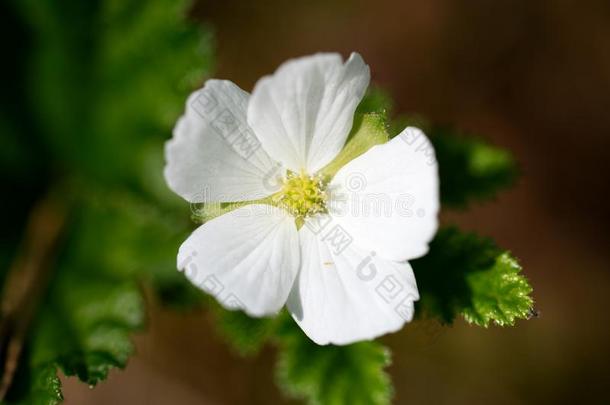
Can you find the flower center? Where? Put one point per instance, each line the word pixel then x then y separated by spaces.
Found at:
pixel 303 195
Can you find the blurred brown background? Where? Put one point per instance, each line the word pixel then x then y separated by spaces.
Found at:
pixel 531 76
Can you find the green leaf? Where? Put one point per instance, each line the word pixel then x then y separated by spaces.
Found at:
pixel 174 291
pixel 103 83
pixel 83 328
pixel 332 375
pixel 469 168
pixel 247 335
pixel 499 295
pixel 469 275
pixel 111 78
pixel 85 324
pixel 44 388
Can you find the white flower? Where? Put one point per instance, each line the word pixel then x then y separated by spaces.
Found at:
pixel 333 250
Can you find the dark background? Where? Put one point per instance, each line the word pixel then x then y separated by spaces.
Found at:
pixel 530 76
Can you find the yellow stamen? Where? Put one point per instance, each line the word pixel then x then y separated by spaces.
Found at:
pixel 303 195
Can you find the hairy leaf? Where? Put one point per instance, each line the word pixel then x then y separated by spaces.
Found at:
pixel 36 384
pixel 469 275
pixel 84 327
pixel 101 85
pixel 499 295
pixel 332 375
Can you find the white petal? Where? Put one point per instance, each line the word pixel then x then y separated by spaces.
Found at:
pixel 387 199
pixel 247 259
pixel 341 297
pixel 303 113
pixel 214 156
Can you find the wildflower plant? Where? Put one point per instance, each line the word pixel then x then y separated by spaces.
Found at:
pixel 98 87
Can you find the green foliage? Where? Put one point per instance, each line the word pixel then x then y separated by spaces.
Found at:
pixel 469 275
pixel 36 384
pixel 111 78
pixel 332 375
pixel 499 295
pixel 469 168
pixel 98 86
pixel 84 327
pixel 46 387
pixel 247 335
pixel 92 305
